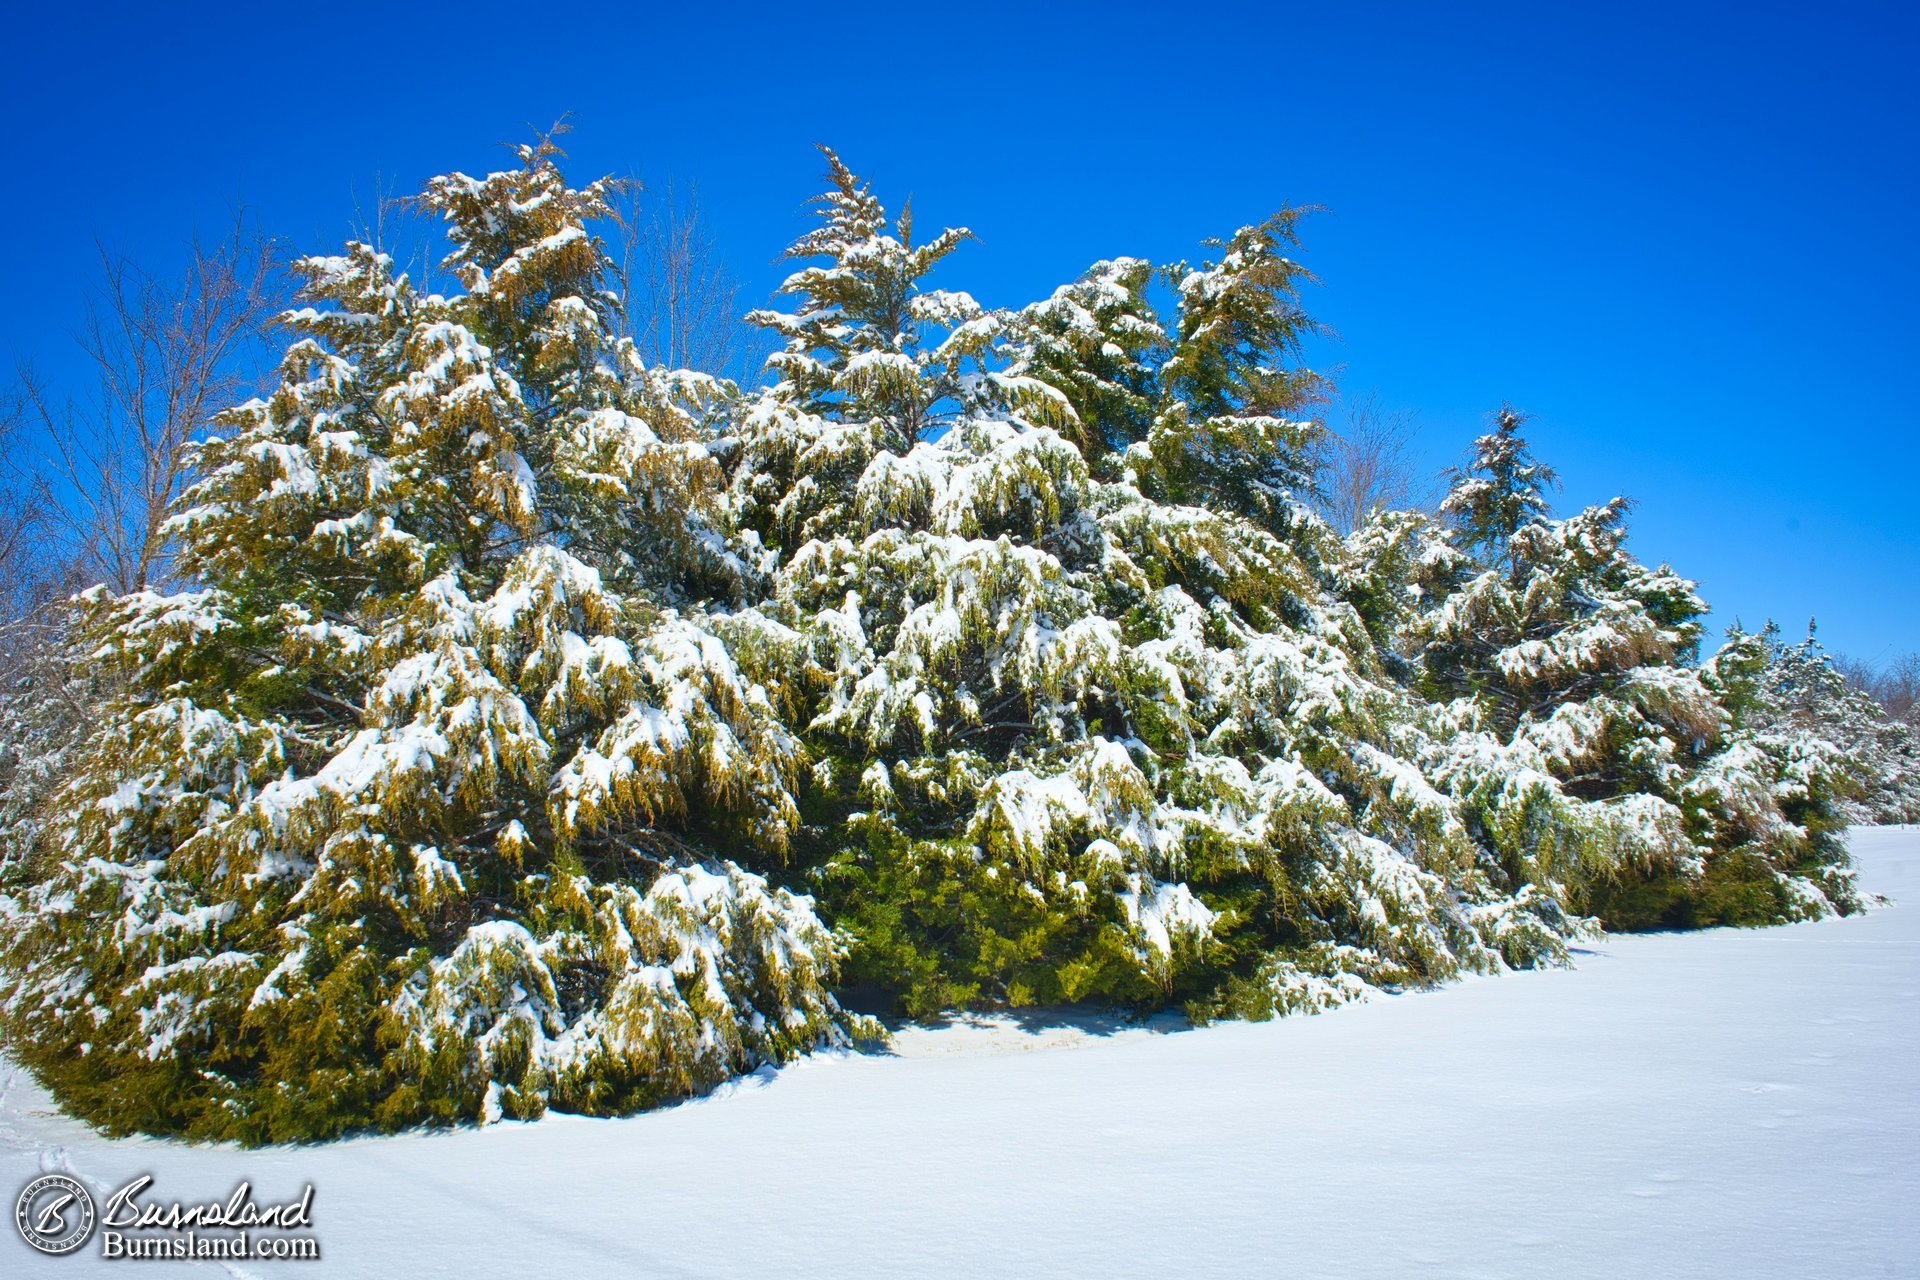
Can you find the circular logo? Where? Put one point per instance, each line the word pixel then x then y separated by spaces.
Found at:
pixel 55 1214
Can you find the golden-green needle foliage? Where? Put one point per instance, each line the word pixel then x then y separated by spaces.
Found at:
pixel 543 730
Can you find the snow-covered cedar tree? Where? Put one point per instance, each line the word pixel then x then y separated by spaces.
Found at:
pixel 48 695
pixel 1546 639
pixel 1046 612
pixel 1797 688
pixel 439 796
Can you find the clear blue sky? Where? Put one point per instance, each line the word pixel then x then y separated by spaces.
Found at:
pixel 1682 236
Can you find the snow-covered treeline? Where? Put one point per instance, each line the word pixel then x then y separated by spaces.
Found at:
pixel 543 729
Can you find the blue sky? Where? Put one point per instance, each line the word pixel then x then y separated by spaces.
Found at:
pixel 1680 236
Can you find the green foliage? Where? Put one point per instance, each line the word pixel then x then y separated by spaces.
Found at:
pixel 1240 323
pixel 1502 491
pixel 1774 688
pixel 1100 344
pixel 1549 636
pixel 523 689
pixel 393 821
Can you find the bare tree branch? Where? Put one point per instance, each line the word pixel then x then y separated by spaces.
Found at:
pixel 1894 685
pixel 163 356
pixel 25 562
pixel 1366 464
pixel 683 305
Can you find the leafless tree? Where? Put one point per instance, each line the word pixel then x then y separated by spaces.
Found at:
pixel 1895 685
pixel 162 356
pixel 1366 464
pixel 397 226
pixel 1899 687
pixel 25 515
pixel 683 305
pixel 86 481
pixel 35 713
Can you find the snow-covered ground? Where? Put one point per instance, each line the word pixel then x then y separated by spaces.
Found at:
pixel 1719 1104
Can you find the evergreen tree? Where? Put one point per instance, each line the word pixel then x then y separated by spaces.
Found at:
pixel 1797 689
pixel 1086 737
pixel 1099 343
pixel 406 814
pixel 859 347
pixel 1547 635
pixel 1228 435
pixel 1502 491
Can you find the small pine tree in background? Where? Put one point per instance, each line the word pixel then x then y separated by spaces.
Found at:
pixel 1797 689
pixel 1548 636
